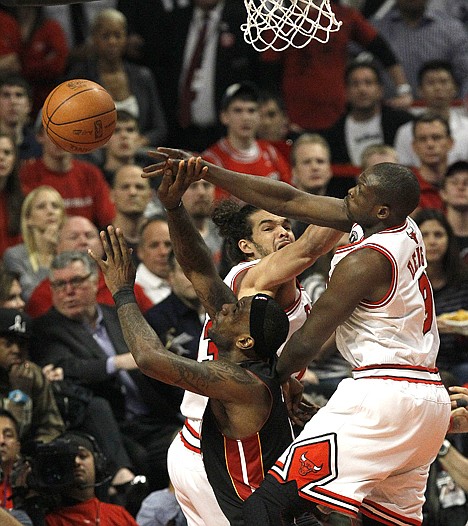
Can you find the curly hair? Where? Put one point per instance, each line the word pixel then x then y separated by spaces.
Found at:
pixel 233 223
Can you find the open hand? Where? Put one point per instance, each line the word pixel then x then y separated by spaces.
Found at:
pixel 162 155
pixel 118 269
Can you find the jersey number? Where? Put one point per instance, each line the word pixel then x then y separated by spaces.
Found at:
pixel 212 351
pixel 426 291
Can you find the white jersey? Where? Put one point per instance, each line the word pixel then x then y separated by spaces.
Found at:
pixel 193 405
pixel 388 332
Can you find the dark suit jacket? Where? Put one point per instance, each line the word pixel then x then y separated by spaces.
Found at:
pixel 391 121
pixel 68 344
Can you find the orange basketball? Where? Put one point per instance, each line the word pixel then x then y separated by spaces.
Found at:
pixel 79 116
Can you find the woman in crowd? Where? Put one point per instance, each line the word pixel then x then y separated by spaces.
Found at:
pixel 11 196
pixel 42 216
pixel 132 86
pixel 449 280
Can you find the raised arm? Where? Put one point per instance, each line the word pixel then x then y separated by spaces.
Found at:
pixel 365 274
pixel 189 247
pixel 219 379
pixel 274 196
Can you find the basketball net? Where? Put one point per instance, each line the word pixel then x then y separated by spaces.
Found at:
pixel 278 24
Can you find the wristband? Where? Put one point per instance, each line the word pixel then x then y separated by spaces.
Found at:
pixel 444 448
pixel 123 296
pixel 404 89
pixel 174 207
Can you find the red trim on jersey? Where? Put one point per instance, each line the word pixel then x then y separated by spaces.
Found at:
pixel 239 273
pixel 347 501
pixel 187 428
pixel 384 514
pixel 244 464
pixel 397 366
pixel 195 449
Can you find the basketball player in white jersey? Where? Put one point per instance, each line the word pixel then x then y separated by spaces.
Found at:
pixel 369 449
pixel 266 257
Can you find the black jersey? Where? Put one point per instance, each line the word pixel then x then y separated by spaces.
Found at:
pixel 235 468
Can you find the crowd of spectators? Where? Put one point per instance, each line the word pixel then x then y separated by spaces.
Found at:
pixel 390 86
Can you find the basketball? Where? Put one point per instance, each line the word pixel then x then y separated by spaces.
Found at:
pixel 79 116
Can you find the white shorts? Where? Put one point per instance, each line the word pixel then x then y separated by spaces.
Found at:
pixel 192 489
pixel 369 449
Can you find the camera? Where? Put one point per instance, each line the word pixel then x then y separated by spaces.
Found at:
pixel 52 465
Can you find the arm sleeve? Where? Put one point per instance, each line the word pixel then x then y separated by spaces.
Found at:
pixel 382 50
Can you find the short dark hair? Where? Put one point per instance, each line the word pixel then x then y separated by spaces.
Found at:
pixel 456 167
pixel 359 64
pixel 245 91
pixel 16 80
pixel 7 414
pixel 126 116
pixel 429 117
pixel 397 187
pixel 434 65
pixel 233 223
pixel 7 277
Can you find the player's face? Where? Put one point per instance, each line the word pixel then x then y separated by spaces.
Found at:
pixel 46 211
pixel 431 142
pixel 198 199
pixel 14 105
pixel 241 119
pixel 231 321
pixel 361 203
pixel 273 124
pixel 7 159
pixel 269 234
pixel 74 291
pixel 363 89
pixel 131 193
pixel 84 471
pixel 9 443
pixel 110 40
pixel 14 299
pixel 312 170
pixel 435 240
pixel 154 248
pixel 79 234
pixel 438 88
pixel 455 191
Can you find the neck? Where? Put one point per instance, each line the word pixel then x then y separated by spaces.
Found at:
pixel 130 225
pixel 436 274
pixel 13 129
pixel 81 494
pixel 61 165
pixel 458 219
pixel 109 66
pixel 433 174
pixel 364 114
pixel 241 143
pixel 201 223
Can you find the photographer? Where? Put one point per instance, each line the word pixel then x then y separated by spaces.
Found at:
pixel 78 502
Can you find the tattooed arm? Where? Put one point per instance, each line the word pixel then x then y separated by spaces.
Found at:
pixel 189 247
pixel 220 379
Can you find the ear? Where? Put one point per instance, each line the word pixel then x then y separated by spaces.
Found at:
pixel 383 212
pixel 246 247
pixel 224 118
pixel 245 342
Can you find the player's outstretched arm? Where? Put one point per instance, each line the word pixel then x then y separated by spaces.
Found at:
pixel 189 247
pixel 364 274
pixel 274 196
pixel 219 379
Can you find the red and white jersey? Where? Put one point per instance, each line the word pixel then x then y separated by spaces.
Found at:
pixel 193 405
pixel 399 330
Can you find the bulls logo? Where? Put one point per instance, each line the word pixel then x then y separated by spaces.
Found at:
pixel 412 234
pixel 307 466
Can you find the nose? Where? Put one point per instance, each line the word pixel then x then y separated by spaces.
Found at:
pixel 18 303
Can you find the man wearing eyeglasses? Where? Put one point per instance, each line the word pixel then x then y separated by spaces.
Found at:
pixel 84 338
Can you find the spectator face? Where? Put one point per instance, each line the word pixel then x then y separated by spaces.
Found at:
pixel 154 248
pixel 435 240
pixel 123 143
pixel 14 105
pixel 181 285
pixel 198 199
pixel 431 143
pixel 7 160
pixel 363 90
pixel 74 291
pixel 455 191
pixel 438 89
pixel 377 158
pixel 110 39
pixel 85 472
pixel 45 211
pixel 78 233
pixel 312 170
pixel 11 352
pixel 14 299
pixel 241 119
pixel 51 150
pixel 273 124
pixel 269 234
pixel 131 193
pixel 9 443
